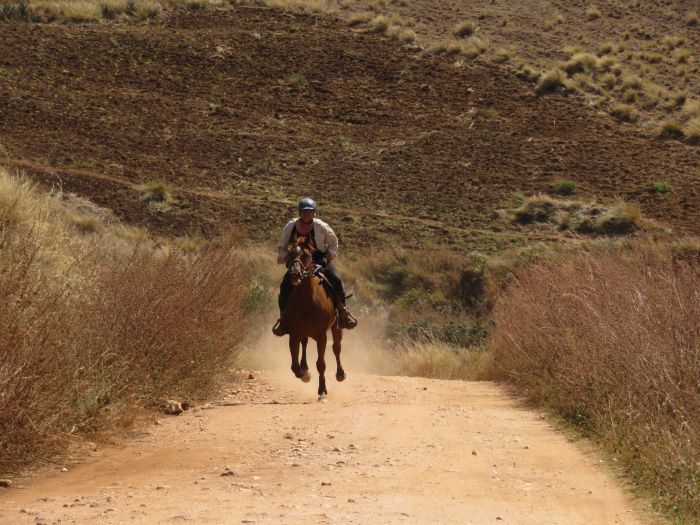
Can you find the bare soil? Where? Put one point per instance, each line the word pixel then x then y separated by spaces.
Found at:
pixel 382 450
pixel 208 102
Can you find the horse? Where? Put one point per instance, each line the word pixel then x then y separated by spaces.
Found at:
pixel 309 313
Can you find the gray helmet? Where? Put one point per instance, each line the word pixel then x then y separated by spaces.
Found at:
pixel 307 203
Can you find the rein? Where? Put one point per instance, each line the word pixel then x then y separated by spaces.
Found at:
pixel 297 268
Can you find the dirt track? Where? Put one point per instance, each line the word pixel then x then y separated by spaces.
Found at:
pixel 382 450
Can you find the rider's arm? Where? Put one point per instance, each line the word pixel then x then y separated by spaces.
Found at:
pixel 284 240
pixel 331 243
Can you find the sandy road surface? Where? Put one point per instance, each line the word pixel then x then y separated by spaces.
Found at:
pixel 382 450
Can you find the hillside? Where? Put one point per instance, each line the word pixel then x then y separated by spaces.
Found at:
pixel 241 110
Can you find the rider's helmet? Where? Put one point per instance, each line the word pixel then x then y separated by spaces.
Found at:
pixel 307 203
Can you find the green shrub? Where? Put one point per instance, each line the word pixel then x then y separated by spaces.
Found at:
pixel 564 187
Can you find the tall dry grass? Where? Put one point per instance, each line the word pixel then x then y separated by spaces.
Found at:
pixel 611 340
pixel 98 322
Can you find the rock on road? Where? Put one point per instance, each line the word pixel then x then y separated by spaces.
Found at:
pixel 382 450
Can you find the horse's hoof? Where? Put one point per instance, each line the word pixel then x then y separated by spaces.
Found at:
pixel 323 398
pixel 340 376
pixel 306 377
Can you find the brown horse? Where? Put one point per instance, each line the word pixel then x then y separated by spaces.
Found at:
pixel 310 312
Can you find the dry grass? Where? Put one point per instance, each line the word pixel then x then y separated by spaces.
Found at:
pixel 672 41
pixel 96 10
pixel 608 80
pixel 156 192
pixel 527 72
pixel 606 48
pixel 360 18
pixel 403 35
pixel 692 18
pixel 503 55
pixel 682 56
pixel 620 218
pixel 581 62
pixel 470 48
pixel 466 28
pixel 439 361
pixel 632 82
pixel 98 321
pixel 691 130
pixel 671 128
pixel 624 112
pixel 593 13
pixel 619 356
pixel 550 81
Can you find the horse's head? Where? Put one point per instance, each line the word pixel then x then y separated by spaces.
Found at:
pixel 299 261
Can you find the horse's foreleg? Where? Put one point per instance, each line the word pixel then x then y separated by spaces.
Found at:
pixel 337 338
pixel 321 365
pixel 294 350
pixel 306 377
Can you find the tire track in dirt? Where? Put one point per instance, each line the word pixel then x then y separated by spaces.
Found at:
pixel 383 450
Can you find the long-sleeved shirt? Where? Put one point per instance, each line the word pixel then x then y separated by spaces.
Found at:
pixel 325 238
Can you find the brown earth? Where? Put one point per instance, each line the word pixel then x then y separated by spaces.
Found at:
pixel 382 450
pixel 395 143
pixel 536 33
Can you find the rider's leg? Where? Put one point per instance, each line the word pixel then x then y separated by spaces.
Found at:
pixel 285 289
pixel 332 274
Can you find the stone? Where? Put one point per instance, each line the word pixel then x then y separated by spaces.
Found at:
pixel 5 483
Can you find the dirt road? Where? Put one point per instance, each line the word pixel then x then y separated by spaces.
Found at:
pixel 382 450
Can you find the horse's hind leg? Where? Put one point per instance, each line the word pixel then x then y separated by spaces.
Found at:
pixel 306 377
pixel 321 366
pixel 337 338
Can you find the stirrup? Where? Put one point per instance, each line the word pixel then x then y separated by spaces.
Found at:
pixel 345 319
pixel 350 322
pixel 279 330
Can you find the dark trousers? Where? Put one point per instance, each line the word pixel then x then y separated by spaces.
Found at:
pixel 331 273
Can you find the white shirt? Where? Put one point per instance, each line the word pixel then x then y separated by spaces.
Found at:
pixel 325 238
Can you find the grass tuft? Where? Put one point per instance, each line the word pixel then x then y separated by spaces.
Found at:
pixel 550 81
pixel 564 187
pixel 691 130
pixel 581 62
pixel 671 128
pixel 360 18
pixel 593 13
pixel 624 112
pixel 692 18
pixel 661 187
pixel 156 192
pixel 465 28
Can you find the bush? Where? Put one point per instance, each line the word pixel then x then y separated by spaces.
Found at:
pixel 624 112
pixel 550 81
pixel 611 340
pixel 157 192
pixel 564 187
pixel 95 326
pixel 466 28
pixel 661 187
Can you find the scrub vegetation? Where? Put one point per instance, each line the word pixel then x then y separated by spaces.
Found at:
pixel 100 320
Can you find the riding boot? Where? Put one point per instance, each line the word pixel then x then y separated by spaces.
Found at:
pixel 345 318
pixel 280 328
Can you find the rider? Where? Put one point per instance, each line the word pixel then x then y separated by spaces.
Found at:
pixel 325 241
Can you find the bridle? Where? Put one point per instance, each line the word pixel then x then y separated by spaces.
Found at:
pixel 300 269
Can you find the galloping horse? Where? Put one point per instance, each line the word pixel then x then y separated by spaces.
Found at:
pixel 310 312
